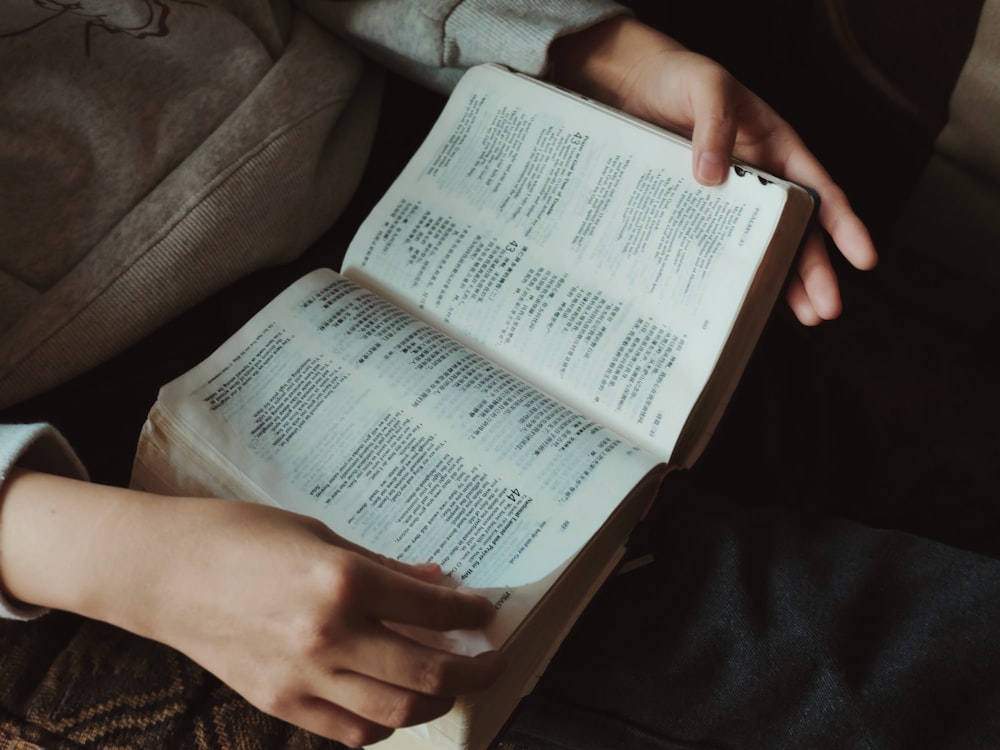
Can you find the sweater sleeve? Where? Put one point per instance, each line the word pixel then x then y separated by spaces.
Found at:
pixel 43 448
pixel 434 41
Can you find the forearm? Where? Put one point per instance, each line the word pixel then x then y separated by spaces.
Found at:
pixel 72 545
pixel 629 65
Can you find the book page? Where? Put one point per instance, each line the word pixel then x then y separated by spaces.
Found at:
pixel 339 405
pixel 573 246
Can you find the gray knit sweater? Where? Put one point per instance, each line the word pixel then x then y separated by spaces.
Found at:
pixel 153 151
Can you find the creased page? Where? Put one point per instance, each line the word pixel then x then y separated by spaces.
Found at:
pixel 341 406
pixel 573 246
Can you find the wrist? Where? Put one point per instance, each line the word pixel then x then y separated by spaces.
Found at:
pixel 72 545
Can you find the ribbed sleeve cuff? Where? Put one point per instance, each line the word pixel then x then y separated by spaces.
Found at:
pixel 516 32
pixel 43 448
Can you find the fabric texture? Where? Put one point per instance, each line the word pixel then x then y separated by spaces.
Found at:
pixel 773 628
pixel 68 683
pixel 150 160
pixel 154 159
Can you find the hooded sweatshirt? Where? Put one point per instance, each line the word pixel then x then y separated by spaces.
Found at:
pixel 154 151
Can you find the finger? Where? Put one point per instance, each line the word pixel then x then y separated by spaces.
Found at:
pixel 333 722
pixel 425 571
pixel 397 597
pixel 389 590
pixel 836 216
pixel 715 124
pixel 396 659
pixel 382 703
pixel 819 280
pixel 798 301
pixel 848 232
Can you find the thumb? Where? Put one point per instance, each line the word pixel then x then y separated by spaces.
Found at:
pixel 715 125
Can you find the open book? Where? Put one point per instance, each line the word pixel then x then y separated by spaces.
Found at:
pixel 543 315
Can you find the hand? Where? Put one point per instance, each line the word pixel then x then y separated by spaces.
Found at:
pixel 291 616
pixel 641 71
pixel 273 603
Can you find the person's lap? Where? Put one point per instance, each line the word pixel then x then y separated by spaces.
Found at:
pixel 769 627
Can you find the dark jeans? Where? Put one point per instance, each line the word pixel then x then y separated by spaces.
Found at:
pixel 776 628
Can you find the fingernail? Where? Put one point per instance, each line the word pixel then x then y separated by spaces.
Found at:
pixel 712 168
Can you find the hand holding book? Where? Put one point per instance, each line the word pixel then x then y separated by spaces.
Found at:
pixel 298 620
pixel 301 622
pixel 646 73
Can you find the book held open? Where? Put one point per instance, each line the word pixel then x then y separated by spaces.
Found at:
pixel 543 315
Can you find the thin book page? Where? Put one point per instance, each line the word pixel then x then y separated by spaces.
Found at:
pixel 571 247
pixel 336 404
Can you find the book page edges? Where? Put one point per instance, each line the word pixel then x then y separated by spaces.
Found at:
pixel 747 328
pixel 163 445
pixel 475 721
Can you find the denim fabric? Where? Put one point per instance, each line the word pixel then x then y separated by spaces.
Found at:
pixel 778 628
